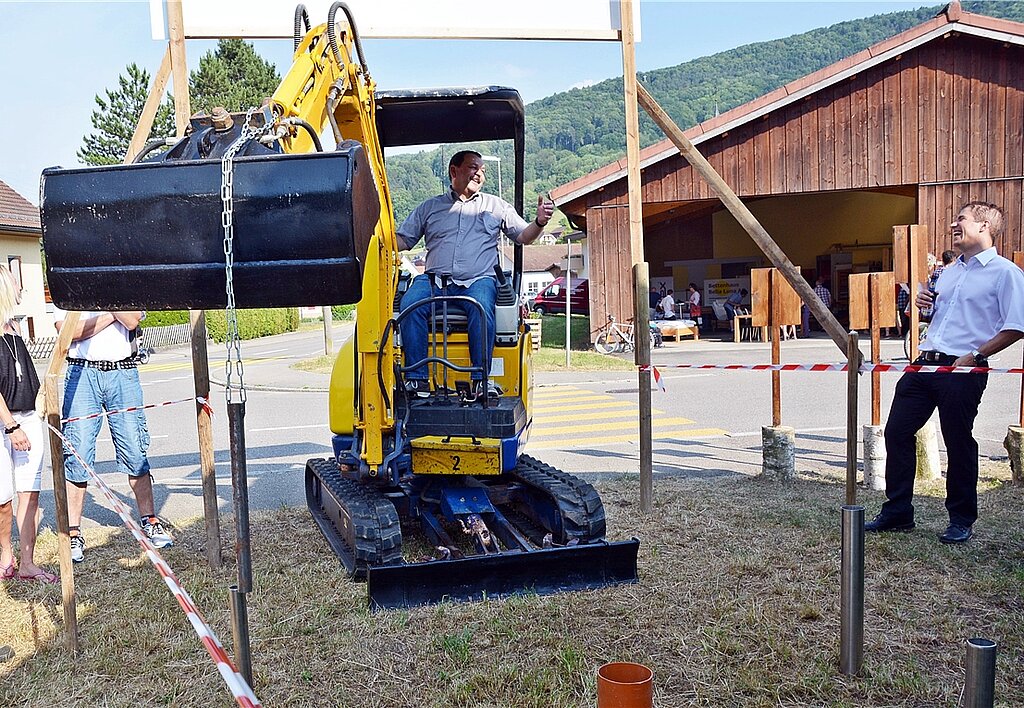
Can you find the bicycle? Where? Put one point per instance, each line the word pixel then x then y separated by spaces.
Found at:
pixel 617 337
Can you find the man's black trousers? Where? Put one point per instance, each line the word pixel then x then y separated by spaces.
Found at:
pixel 917 396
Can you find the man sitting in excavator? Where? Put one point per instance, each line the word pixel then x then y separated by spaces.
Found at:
pixel 461 229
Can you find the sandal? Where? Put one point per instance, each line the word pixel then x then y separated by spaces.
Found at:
pixel 7 572
pixel 42 576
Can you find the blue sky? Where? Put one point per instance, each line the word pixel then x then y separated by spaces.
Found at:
pixel 56 56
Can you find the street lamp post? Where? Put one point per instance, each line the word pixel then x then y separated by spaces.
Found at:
pixel 504 239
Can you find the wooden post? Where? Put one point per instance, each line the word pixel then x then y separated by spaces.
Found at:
pixel 641 314
pixel 874 307
pixel 328 335
pixel 204 429
pixel 853 370
pixel 179 68
pixel 156 94
pixel 51 389
pixel 746 219
pixel 774 320
pixel 1018 259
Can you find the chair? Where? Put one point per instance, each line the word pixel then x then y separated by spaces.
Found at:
pixel 721 316
pixel 743 324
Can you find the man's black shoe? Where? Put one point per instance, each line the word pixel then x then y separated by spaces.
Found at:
pixel 955 533
pixel 880 524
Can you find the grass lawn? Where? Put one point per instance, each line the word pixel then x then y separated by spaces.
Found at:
pixel 737 605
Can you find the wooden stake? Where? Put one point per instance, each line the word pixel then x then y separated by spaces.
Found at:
pixel 1018 259
pixel 874 310
pixel 156 94
pixel 853 358
pixel 641 278
pixel 774 318
pixel 51 406
pixel 746 219
pixel 204 428
pixel 179 68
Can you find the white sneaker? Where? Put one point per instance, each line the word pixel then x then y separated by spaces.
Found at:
pixel 78 548
pixel 154 530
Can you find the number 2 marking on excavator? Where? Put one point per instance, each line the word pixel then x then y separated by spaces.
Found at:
pixel 456 461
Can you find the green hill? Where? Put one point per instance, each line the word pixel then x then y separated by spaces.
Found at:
pixel 572 133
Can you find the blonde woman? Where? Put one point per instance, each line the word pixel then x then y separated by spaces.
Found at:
pixel 21 456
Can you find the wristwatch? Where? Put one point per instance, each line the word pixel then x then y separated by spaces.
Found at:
pixel 979 358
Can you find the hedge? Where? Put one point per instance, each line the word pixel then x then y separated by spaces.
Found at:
pixel 164 318
pixel 253 323
pixel 343 312
pixel 553 332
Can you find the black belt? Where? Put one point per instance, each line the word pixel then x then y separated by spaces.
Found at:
pixel 937 357
pixel 129 363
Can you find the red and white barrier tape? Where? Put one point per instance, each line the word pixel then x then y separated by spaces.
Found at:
pixel 236 683
pixel 199 399
pixel 864 369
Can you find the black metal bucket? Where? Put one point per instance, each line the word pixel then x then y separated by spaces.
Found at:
pixel 150 235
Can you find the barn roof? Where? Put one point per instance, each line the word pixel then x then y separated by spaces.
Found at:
pixel 952 18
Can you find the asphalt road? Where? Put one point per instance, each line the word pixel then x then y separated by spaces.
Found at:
pixel 707 423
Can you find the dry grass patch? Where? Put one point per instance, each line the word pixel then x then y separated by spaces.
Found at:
pixel 738 605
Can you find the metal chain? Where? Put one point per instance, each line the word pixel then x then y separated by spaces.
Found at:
pixel 233 362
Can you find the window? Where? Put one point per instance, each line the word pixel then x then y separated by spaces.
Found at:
pixel 14 264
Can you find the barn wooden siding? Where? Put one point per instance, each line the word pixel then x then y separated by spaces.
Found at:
pixel 946 117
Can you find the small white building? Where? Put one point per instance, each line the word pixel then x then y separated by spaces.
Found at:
pixel 20 234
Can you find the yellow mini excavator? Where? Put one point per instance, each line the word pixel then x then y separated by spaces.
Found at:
pixel 315 226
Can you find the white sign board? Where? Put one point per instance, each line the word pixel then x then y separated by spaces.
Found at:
pixel 721 288
pixel 406 19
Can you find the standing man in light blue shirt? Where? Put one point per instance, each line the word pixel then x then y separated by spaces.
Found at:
pixel 978 311
pixel 460 229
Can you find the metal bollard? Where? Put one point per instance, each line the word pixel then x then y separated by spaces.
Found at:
pixel 980 683
pixel 240 634
pixel 851 601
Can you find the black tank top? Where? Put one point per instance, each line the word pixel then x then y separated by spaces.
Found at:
pixel 20 396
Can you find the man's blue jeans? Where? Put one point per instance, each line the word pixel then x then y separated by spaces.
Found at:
pixel 415 326
pixel 87 391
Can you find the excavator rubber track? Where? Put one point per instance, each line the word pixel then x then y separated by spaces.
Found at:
pixel 543 502
pixel 579 504
pixel 360 524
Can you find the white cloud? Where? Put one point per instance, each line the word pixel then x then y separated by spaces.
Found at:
pixel 583 84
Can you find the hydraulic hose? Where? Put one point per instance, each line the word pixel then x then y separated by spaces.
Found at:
pixel 301 17
pixel 332 35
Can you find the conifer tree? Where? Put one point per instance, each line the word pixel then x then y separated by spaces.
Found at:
pixel 116 116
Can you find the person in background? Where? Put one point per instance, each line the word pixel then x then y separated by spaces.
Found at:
pixel 668 306
pixel 653 300
pixel 902 308
pixel 103 375
pixel 694 300
pixel 734 300
pixel 977 311
pixel 21 459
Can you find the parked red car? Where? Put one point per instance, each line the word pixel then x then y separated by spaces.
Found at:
pixel 551 300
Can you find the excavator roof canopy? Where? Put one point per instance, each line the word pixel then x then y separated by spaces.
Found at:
pixel 449 115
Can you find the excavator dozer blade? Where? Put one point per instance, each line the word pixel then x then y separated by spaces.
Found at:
pixel 150 235
pixel 545 571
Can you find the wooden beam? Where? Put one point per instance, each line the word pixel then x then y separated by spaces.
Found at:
pixel 156 94
pixel 204 429
pixel 179 68
pixel 51 408
pixel 745 218
pixel 641 277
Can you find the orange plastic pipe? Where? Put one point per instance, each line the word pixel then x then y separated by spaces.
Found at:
pixel 622 684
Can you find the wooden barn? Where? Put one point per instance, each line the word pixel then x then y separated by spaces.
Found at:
pixel 903 132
